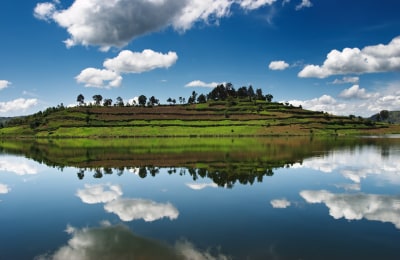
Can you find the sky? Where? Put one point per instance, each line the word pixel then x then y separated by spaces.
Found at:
pixel 336 56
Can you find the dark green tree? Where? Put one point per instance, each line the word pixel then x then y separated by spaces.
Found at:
pixel 142 100
pixel 120 102
pixel 97 99
pixel 80 99
pixel 107 102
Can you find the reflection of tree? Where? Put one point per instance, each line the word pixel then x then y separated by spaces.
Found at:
pixel 97 174
pixel 81 174
pixel 142 172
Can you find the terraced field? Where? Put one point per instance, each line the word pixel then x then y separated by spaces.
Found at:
pixel 224 118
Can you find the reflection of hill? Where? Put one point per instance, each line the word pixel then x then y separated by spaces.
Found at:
pixel 223 160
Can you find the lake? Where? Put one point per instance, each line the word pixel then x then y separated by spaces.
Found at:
pixel 267 198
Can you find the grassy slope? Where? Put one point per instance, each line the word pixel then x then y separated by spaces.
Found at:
pixel 241 118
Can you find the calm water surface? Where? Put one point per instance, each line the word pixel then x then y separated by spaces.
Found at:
pixel 337 202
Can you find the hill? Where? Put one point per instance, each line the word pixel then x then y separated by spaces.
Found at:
pixel 387 116
pixel 229 117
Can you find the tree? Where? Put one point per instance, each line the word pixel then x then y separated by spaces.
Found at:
pixel 153 101
pixel 384 114
pixel 202 99
pixel 250 92
pixel 174 101
pixel 269 97
pixel 242 92
pixel 120 102
pixel 142 100
pixel 259 94
pixel 169 100
pixel 107 102
pixel 80 99
pixel 97 99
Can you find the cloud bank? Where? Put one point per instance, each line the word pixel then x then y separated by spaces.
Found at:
pixel 17 105
pixel 17 166
pixel 115 23
pixel 371 59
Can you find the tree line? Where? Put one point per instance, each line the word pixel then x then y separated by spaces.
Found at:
pixel 220 92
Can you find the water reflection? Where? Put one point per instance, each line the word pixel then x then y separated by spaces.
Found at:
pixel 16 165
pixel 280 203
pixel 127 209
pixel 384 208
pixel 118 242
pixel 4 189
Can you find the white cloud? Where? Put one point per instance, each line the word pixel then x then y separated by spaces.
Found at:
pixel 280 203
pixel 344 80
pixel 4 84
pixel 118 242
pixel 4 189
pixel 356 101
pixel 44 11
pixel 148 210
pixel 99 78
pixel 17 166
pixel 255 4
pixel 138 62
pixel 278 65
pixel 382 208
pixel 200 186
pixel 304 4
pixel 354 92
pixel 115 23
pixel 101 193
pixel 201 84
pixel 125 62
pixel 17 105
pixel 371 59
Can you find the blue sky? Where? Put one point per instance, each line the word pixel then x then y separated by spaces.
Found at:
pixel 341 57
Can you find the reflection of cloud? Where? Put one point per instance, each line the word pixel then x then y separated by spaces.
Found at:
pixel 118 242
pixel 382 208
pixel 357 164
pixel 349 186
pixel 101 193
pixel 131 209
pixel 280 203
pixel 200 186
pixel 4 189
pixel 17 166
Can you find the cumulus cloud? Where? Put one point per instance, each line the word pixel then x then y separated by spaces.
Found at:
pixel 99 78
pixel 17 166
pixel 126 62
pixel 148 210
pixel 201 84
pixel 278 65
pixel 304 4
pixel 4 189
pixel 201 186
pixel 371 59
pixel 255 4
pixel 17 105
pixel 138 62
pixel 355 92
pixel 280 203
pixel 4 84
pixel 382 208
pixel 355 100
pixel 101 193
pixel 118 242
pixel 115 23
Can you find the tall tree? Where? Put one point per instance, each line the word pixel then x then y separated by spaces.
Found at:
pixel 142 100
pixel 80 99
pixel 97 99
pixel 153 101
pixel 107 102
pixel 120 102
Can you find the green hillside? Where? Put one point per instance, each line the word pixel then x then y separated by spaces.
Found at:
pixel 233 117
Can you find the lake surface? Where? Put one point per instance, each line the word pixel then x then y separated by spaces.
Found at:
pixel 277 198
